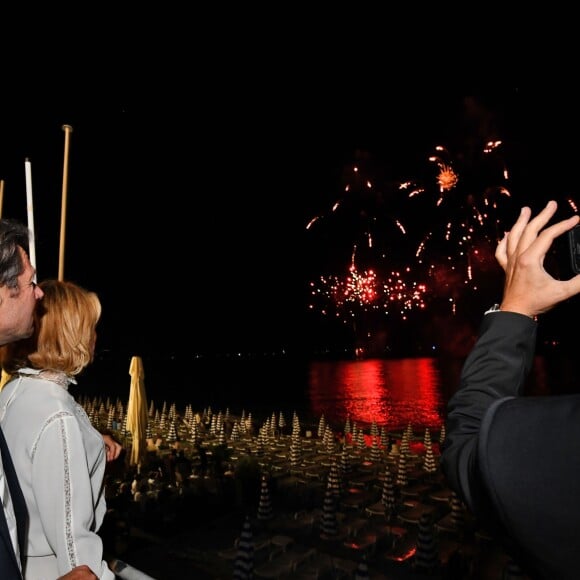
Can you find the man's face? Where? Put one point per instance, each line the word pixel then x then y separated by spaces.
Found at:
pixel 16 312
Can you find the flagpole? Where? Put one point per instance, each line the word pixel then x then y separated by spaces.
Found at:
pixel 30 212
pixel 67 131
pixel 1 195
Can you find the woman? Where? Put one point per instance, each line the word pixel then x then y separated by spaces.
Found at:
pixel 58 455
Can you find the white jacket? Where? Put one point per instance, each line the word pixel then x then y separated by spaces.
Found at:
pixel 60 461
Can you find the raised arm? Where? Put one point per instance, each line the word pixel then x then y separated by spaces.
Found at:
pixel 502 357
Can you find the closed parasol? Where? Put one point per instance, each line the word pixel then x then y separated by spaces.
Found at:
pixel 137 411
pixel 4 378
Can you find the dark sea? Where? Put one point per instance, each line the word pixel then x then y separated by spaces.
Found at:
pixel 390 392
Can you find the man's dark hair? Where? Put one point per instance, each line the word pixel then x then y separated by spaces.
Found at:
pixel 12 235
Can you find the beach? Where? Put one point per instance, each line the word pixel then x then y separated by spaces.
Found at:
pixel 316 504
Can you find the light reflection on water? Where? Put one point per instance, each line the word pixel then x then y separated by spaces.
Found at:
pixel 396 392
pixel 391 393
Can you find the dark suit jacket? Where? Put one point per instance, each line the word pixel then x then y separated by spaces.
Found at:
pixel 515 460
pixel 8 563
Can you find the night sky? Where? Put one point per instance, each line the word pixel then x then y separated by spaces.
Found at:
pixel 188 213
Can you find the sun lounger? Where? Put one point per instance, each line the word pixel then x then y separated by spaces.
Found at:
pixel 413 515
pixel 313 567
pixel 283 561
pixel 402 550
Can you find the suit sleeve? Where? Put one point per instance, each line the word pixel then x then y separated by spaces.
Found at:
pixel 495 370
pixel 62 489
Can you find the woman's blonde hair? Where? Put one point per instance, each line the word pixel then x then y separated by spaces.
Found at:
pixel 65 331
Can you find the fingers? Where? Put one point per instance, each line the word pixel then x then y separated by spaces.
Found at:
pixel 545 238
pixel 113 451
pixel 112 447
pixel 545 215
pixel 533 228
pixel 508 244
pixel 525 231
pixel 561 227
pixel 82 572
pixel 571 287
pixel 514 235
pixel 501 252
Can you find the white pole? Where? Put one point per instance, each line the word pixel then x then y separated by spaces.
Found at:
pixel 30 211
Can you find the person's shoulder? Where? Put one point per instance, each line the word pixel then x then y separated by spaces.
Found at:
pixel 44 395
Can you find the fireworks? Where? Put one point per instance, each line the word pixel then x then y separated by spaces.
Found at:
pixel 447 180
pixel 413 240
pixel 468 203
pixel 402 242
pixel 360 287
pixel 356 292
pixel 439 229
pixel 402 295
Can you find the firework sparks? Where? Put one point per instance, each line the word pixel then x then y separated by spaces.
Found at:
pixel 476 212
pixel 360 287
pixel 365 291
pixel 447 179
pixel 426 241
pixel 423 242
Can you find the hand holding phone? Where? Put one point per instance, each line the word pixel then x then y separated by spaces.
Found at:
pixel 574 248
pixel 563 260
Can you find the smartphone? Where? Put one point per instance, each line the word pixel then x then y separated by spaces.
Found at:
pixel 574 248
pixel 563 260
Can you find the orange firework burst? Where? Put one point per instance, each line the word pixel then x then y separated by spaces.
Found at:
pixel 447 178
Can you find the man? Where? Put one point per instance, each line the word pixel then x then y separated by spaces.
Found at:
pixel 515 460
pixel 18 296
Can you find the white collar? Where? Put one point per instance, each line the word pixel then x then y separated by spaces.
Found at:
pixel 58 377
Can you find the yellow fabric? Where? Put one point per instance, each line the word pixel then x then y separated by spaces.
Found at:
pixel 137 411
pixel 4 379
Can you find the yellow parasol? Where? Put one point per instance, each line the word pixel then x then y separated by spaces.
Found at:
pixel 137 411
pixel 4 378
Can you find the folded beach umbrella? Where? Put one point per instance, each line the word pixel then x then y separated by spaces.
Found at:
pixel 4 378
pixel 388 497
pixel 244 561
pixel 137 412
pixel 329 519
pixel 426 558
pixel 362 569
pixel 265 511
